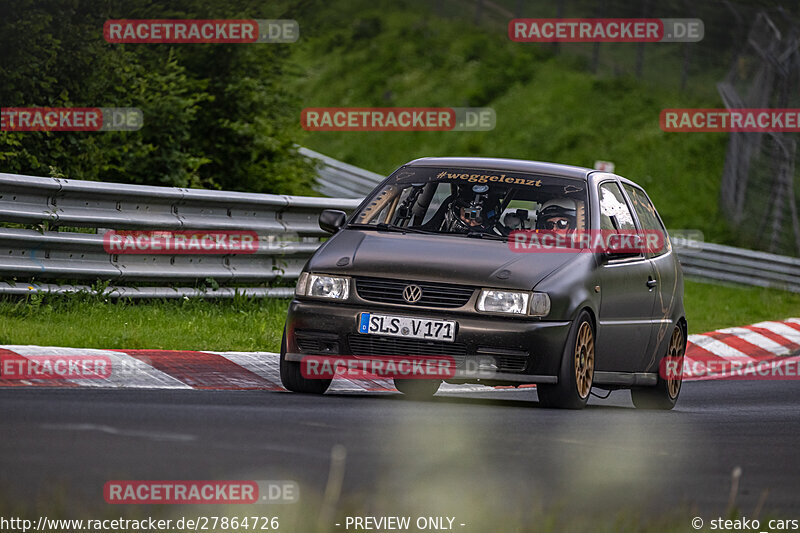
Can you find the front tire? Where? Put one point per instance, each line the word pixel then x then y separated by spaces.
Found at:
pixel 292 377
pixel 577 369
pixel 665 394
pixel 417 389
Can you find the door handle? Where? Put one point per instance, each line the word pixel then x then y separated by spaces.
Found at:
pixel 651 283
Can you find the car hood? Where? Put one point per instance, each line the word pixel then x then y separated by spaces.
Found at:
pixel 437 258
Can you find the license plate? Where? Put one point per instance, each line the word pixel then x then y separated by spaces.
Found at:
pixel 403 326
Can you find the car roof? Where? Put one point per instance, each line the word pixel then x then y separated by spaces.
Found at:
pixel 514 165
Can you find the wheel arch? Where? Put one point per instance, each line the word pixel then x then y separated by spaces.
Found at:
pixel 684 325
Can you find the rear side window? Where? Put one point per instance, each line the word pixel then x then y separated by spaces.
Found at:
pixel 612 203
pixel 647 214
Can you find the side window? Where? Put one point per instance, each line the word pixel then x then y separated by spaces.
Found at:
pixel 612 203
pixel 647 214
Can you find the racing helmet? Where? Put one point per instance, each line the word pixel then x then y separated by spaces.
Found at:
pixel 472 203
pixel 558 208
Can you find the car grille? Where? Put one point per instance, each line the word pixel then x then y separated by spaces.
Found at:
pixel 433 294
pixel 507 360
pixel 372 345
pixel 308 345
pixel 316 342
pixel 510 363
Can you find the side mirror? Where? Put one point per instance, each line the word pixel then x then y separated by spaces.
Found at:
pixel 630 244
pixel 332 220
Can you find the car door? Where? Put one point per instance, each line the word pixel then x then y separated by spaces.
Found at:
pixel 666 276
pixel 627 292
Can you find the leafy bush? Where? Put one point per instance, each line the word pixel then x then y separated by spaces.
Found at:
pixel 214 115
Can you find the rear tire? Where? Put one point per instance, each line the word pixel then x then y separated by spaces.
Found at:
pixel 292 377
pixel 665 394
pixel 417 389
pixel 577 369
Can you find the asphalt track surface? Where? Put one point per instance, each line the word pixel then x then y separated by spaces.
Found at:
pixel 459 454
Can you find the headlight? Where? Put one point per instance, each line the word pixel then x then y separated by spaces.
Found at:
pixel 540 304
pixel 302 284
pixel 514 302
pixel 320 286
pixel 495 301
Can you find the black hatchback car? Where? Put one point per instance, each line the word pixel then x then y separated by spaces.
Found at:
pixel 465 258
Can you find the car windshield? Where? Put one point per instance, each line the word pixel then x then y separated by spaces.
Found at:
pixel 484 203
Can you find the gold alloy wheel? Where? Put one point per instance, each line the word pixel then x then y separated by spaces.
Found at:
pixel 675 352
pixel 584 359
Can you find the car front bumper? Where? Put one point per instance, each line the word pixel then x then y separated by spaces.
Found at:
pixel 486 349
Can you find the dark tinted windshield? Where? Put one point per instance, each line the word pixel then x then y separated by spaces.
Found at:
pixel 460 200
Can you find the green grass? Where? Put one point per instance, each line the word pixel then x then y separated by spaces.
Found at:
pixel 710 307
pixel 256 325
pixel 88 322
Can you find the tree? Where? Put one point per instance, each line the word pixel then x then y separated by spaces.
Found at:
pixel 214 115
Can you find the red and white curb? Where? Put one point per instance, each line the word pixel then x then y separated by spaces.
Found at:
pixel 768 346
pixel 771 343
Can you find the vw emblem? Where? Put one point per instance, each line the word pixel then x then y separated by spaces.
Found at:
pixel 412 293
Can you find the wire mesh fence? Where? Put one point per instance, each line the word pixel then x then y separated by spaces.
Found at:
pixel 758 193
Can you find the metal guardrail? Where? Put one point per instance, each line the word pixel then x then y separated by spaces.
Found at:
pixel 64 202
pixel 287 227
pixel 22 289
pixel 738 265
pixel 338 179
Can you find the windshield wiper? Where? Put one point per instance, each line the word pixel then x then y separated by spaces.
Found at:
pixel 404 229
pixel 483 235
pixel 383 226
pixel 392 227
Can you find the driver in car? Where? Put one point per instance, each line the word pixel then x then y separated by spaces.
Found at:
pixel 471 210
pixel 557 214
